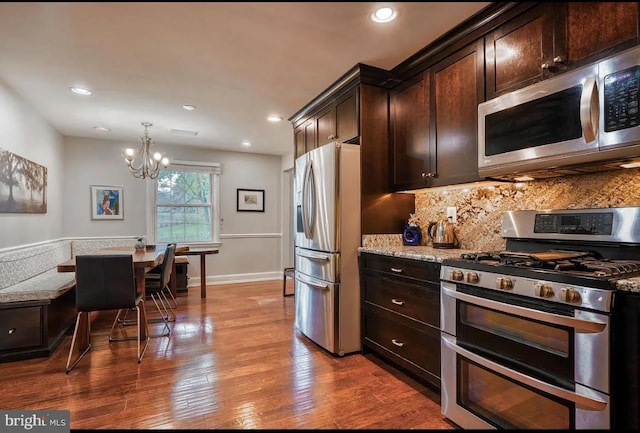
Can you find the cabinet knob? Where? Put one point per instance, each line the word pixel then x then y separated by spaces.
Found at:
pixel 558 59
pixel 427 175
pixel 545 66
pixel 332 137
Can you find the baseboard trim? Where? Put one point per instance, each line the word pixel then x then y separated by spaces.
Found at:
pixel 213 280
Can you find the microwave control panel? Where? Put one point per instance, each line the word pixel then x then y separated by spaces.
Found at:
pixel 600 223
pixel 621 99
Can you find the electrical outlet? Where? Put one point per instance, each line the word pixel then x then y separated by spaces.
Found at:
pixel 451 214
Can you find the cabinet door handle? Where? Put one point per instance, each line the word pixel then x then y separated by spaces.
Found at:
pixel 558 59
pixel 12 330
pixel 397 270
pixel 397 343
pixel 545 66
pixel 397 302
pixel 427 175
pixel 332 137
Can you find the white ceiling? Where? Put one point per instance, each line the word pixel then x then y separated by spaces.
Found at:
pixel 236 62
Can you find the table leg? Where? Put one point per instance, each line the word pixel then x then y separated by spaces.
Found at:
pixel 140 286
pixel 203 276
pixel 172 280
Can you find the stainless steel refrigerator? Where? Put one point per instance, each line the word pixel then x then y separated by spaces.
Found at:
pixel 327 237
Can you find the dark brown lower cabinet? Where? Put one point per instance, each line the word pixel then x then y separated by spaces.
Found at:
pixel 401 313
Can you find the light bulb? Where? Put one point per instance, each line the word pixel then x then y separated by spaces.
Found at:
pixel 157 156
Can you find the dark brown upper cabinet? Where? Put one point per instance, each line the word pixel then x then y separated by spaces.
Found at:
pixel 409 125
pixel 339 121
pixel 457 87
pixel 304 137
pixel 552 38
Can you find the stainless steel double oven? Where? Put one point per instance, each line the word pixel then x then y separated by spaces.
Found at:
pixel 526 335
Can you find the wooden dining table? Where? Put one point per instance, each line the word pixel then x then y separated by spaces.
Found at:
pixel 203 252
pixel 143 261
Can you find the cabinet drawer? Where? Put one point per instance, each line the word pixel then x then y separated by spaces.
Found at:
pixel 418 302
pixel 418 269
pixel 20 327
pixel 416 343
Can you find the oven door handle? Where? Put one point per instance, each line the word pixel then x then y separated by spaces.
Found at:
pixel 583 401
pixel 580 325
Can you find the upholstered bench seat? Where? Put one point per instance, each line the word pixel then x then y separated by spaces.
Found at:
pixel 47 285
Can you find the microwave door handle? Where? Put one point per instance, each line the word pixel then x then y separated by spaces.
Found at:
pixel 580 325
pixel 584 401
pixel 589 110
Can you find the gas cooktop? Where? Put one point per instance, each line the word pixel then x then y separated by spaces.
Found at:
pixel 571 267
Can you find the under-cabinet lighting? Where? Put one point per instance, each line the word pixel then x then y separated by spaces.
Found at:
pixel 246 143
pixel 189 107
pixel 523 178
pixel 101 129
pixel 631 165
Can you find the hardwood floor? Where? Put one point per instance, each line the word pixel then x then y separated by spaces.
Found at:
pixel 234 361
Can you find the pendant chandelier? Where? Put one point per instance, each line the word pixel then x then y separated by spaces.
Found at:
pixel 143 163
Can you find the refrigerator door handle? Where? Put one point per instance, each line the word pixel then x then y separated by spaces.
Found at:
pixel 313 256
pixel 302 279
pixel 305 179
pixel 311 186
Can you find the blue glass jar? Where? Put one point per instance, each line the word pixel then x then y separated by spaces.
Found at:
pixel 411 235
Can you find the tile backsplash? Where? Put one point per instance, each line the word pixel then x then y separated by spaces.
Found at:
pixel 480 208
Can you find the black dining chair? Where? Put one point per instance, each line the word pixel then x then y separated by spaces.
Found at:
pixel 106 282
pixel 156 286
pixel 155 276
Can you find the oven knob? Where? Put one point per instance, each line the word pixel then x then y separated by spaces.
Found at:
pixel 503 283
pixel 457 275
pixel 473 278
pixel 544 290
pixel 570 295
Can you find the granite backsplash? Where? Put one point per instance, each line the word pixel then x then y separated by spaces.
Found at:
pixel 480 208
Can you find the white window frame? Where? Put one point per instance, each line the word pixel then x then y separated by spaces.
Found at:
pixel 214 169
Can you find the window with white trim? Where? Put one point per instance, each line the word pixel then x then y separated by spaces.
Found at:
pixel 187 204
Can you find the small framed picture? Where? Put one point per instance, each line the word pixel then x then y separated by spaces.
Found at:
pixel 107 203
pixel 250 200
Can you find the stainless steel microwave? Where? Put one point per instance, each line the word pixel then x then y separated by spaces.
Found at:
pixel 578 120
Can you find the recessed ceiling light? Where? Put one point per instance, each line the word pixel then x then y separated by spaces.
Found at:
pixel 184 132
pixel 101 129
pixel 274 118
pixel 383 15
pixel 189 107
pixel 80 91
pixel 246 143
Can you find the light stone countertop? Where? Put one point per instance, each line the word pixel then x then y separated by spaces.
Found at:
pixel 430 254
pixel 427 254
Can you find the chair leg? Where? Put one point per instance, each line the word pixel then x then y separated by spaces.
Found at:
pixel 174 302
pixel 140 355
pixel 73 342
pixel 163 317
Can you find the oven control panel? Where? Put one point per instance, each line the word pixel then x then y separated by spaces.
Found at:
pixel 600 223
pixel 578 296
